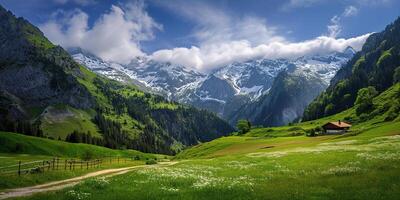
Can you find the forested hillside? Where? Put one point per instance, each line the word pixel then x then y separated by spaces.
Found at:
pixel 44 92
pixel 376 66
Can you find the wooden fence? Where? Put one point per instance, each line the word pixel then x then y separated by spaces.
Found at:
pixel 54 164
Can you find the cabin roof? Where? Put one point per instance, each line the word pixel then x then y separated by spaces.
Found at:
pixel 338 124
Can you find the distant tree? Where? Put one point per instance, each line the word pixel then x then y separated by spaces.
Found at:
pixel 396 76
pixel 243 126
pixel 363 102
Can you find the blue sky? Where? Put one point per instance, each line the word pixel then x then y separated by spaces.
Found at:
pixel 204 35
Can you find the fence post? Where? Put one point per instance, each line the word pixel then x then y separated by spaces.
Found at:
pixel 48 165
pixel 58 160
pixel 65 166
pixel 19 168
pixel 54 162
pixel 87 165
pixel 43 165
pixel 70 165
pixel 73 164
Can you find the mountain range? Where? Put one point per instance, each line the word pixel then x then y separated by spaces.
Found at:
pixel 241 90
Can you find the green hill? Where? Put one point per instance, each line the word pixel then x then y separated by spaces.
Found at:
pixel 383 120
pixel 274 163
pixel 44 92
pixel 374 66
pixel 14 143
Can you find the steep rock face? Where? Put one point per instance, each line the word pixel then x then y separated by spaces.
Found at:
pixel 35 71
pixel 291 92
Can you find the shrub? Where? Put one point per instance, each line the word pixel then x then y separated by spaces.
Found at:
pixel 311 133
pixel 151 162
pixel 393 113
pixel 87 155
pixel 243 126
pixel 396 75
pixel 137 157
pixel 364 102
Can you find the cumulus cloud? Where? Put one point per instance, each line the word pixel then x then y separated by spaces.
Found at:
pixel 220 38
pixel 115 36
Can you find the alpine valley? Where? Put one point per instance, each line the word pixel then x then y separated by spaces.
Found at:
pixel 267 92
pixel 271 100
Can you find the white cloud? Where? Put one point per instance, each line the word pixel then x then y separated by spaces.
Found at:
pixel 115 36
pixel 300 4
pixel 334 28
pixel 223 39
pixel 350 11
pixel 293 4
pixel 211 56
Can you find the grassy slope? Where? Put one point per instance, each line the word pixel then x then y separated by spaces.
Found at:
pixel 260 139
pixel 21 144
pixel 269 163
pixel 60 127
pixel 365 166
pixel 16 147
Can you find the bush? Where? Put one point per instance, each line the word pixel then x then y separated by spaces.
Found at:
pixel 311 133
pixel 151 162
pixel 396 75
pixel 87 155
pixel 393 113
pixel 363 102
pixel 137 157
pixel 243 126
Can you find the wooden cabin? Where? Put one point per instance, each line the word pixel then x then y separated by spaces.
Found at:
pixel 336 127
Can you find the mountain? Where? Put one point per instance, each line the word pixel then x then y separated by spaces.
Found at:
pixel 235 91
pixel 376 65
pixel 292 90
pixel 44 92
pixel 230 90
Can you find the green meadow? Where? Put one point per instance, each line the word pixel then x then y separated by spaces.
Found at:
pixel 265 163
pixel 364 166
pixel 16 147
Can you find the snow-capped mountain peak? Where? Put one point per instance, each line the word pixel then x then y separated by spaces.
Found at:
pixel 234 84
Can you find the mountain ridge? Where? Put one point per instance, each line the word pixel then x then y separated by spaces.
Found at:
pixel 225 90
pixel 44 92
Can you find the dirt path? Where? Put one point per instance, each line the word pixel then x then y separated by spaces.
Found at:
pixel 58 185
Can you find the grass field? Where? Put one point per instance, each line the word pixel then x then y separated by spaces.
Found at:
pixel 271 163
pixel 16 147
pixel 364 166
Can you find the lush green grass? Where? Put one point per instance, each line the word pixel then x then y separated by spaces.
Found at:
pixel 13 180
pixel 22 144
pixel 61 121
pixel 272 163
pixel 16 147
pixel 365 166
